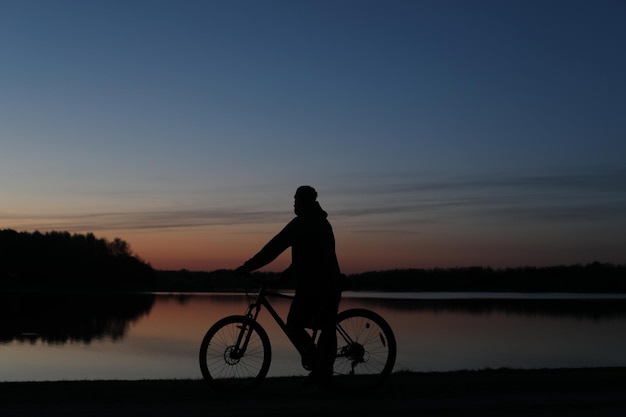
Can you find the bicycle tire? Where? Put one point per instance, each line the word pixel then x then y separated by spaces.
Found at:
pixel 225 371
pixel 366 351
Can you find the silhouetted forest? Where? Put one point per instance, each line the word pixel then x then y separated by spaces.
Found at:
pixel 61 259
pixel 594 278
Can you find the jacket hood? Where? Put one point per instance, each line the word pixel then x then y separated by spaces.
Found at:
pixel 312 210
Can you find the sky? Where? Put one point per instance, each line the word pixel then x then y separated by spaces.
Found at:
pixel 437 133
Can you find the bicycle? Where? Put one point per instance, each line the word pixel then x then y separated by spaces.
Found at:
pixel 235 352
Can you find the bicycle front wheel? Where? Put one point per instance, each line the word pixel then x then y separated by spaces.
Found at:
pixel 235 354
pixel 366 351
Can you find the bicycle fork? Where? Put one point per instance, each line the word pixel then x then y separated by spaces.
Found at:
pixel 245 333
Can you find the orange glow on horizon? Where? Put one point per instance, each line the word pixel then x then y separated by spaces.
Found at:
pixel 228 247
pixel 202 251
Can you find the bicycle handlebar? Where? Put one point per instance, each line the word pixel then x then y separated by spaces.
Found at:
pixel 263 283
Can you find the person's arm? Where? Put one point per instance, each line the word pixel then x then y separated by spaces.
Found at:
pixel 271 250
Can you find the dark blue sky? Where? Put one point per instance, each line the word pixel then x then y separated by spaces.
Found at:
pixel 438 133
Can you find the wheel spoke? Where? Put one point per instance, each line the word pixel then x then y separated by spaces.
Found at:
pixel 221 363
pixel 366 350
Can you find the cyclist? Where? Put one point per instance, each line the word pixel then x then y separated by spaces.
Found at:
pixel 318 279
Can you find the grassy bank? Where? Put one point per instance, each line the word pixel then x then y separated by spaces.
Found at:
pixel 568 392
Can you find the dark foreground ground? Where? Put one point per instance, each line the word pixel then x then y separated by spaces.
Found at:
pixel 568 392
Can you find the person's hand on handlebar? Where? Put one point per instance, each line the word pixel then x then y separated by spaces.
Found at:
pixel 242 270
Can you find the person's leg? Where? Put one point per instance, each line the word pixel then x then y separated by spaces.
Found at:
pixel 325 353
pixel 327 342
pixel 297 321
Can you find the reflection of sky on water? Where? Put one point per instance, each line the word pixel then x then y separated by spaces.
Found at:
pixel 63 318
pixel 432 336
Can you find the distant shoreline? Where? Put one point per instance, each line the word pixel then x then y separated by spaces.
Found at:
pixel 590 278
pixel 373 293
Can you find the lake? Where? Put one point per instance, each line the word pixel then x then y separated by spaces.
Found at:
pixel 155 336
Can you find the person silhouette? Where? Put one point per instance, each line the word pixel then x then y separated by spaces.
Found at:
pixel 317 275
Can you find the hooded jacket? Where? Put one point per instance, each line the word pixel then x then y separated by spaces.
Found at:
pixel 313 259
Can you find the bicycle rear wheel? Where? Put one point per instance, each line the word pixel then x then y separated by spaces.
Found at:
pixel 235 354
pixel 366 351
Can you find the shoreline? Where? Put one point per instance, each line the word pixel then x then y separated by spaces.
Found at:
pixel 503 392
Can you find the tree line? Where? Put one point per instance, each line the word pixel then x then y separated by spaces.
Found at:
pixel 593 277
pixel 59 258
pixel 589 278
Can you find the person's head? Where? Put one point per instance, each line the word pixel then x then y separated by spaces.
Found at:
pixel 304 199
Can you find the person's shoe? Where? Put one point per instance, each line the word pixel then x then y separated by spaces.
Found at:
pixel 322 379
pixel 310 379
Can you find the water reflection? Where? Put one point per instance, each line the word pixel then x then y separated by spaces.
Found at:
pixel 582 308
pixel 158 336
pixel 58 319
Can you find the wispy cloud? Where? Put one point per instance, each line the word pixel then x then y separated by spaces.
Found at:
pixel 598 195
pixel 136 220
pixel 398 204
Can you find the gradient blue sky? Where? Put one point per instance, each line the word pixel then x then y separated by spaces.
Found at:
pixel 438 133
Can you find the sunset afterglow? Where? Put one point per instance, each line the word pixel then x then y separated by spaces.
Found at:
pixel 437 133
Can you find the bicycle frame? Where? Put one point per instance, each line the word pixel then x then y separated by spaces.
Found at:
pixel 237 348
pixel 253 311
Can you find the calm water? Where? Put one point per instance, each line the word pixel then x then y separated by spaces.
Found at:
pixel 157 336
